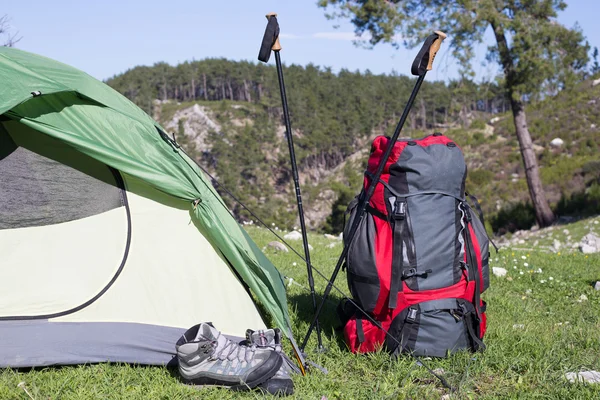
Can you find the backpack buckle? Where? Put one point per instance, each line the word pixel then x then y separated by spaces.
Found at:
pixel 399 209
pixel 409 273
pixel 412 314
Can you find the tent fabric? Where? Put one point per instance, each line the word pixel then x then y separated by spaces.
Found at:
pixel 42 343
pixel 87 115
pixel 37 191
pixel 142 262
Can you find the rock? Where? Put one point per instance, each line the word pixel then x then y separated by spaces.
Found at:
pixel 521 241
pixel 596 82
pixel 518 326
pixel 593 126
pixel 330 237
pixel 499 271
pixel 585 376
pixel 331 245
pixel 496 119
pixel 278 246
pixel 293 235
pixel 556 245
pixel 589 244
pixel 566 231
pixel 557 142
pixel 197 123
pixel 597 285
pixel 583 297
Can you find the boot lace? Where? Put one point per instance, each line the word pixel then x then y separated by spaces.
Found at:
pixel 231 350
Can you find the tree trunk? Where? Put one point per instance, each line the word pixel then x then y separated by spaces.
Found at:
pixel 205 89
pixel 193 89
pixel 543 213
pixel 247 92
pixel 230 90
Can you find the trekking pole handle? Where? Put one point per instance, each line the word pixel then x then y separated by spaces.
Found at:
pixel 424 60
pixel 270 41
pixel 276 46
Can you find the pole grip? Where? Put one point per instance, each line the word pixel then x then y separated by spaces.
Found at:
pixel 270 38
pixel 424 60
pixel 276 46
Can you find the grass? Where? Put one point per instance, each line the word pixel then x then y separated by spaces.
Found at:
pixel 539 328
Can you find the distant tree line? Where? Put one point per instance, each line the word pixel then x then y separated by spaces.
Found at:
pixel 329 110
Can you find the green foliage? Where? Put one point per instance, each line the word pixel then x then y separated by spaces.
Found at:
pixel 335 221
pixel 479 177
pixel 478 124
pixel 517 217
pixel 595 67
pixel 580 204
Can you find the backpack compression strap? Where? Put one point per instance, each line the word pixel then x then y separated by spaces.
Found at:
pixel 473 326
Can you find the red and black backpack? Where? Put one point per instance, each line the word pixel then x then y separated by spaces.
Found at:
pixel 419 260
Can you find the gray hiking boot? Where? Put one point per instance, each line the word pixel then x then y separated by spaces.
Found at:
pixel 281 383
pixel 206 357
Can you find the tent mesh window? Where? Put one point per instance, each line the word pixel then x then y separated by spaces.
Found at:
pixel 36 190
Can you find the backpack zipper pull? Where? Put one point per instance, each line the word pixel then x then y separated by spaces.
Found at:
pixel 457 315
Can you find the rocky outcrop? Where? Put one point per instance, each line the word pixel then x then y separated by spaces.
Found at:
pixel 197 124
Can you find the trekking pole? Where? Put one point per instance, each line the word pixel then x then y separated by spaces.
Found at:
pixel 271 42
pixel 422 63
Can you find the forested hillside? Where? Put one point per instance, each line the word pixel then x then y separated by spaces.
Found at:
pixel 228 115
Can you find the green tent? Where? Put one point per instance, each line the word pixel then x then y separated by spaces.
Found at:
pixel 67 142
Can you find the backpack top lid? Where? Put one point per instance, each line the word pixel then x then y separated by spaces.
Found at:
pixel 433 164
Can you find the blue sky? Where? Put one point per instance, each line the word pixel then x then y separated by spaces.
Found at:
pixel 108 37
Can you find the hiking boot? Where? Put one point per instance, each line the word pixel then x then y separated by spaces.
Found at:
pixel 281 383
pixel 206 357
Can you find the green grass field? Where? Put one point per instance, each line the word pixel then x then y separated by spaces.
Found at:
pixel 539 328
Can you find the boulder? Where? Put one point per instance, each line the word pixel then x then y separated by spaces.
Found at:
pixel 278 246
pixel 293 235
pixel 589 244
pixel 557 142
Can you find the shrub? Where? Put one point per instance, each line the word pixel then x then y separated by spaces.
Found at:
pixel 478 124
pixel 516 217
pixel 479 177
